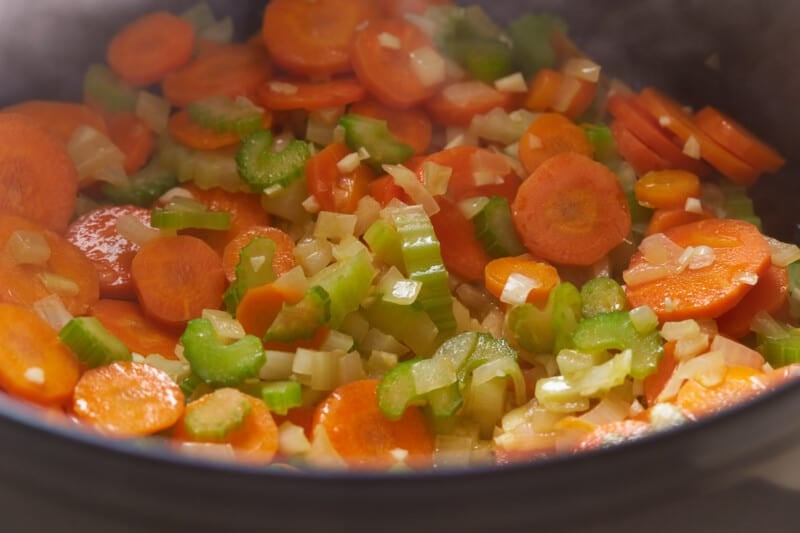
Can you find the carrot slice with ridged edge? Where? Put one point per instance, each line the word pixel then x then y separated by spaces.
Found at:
pixel 151 47
pixel 127 399
pixel 548 135
pixel 133 137
pixel 286 95
pixel 67 272
pixel 35 364
pixel 126 321
pixel 282 261
pixel 740 252
pixel 37 177
pixel 571 210
pixel 768 296
pixel 641 157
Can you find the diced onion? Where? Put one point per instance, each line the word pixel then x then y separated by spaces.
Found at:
pixel 583 69
pixel 692 147
pixel 748 278
pixel 349 247
pixel 610 409
pixel 451 451
pixel 436 177
pixel 302 361
pixel 351 368
pixel 513 83
pixel 310 204
pixel 472 206
pixel 349 163
pixel 693 205
pixel 367 212
pixel 665 416
pixel 28 248
pixel 424 23
pixel 176 369
pixel 701 257
pixel 658 249
pixel 134 230
pixel 462 93
pixel 407 180
pixel 433 374
pixel 292 440
pixel 499 126
pixel 313 254
pixel 52 310
pixel 59 284
pixel 428 66
pixel 498 368
pixel 644 319
pixel 318 130
pixel 517 289
pixel 336 340
pixel 324 370
pixel 208 450
pixel 279 366
pixel 708 369
pixel 153 110
pixel 379 363
pixel 570 87
pixel 280 87
pixel 673 331
pixel 783 254
pixel 736 353
pixel 35 375
pixel 295 280
pixel 645 273
pixel 764 324
pixel 226 327
pixel 389 40
pixel 375 339
pixel 691 346
pixel 397 289
pixel 322 453
pixel 95 156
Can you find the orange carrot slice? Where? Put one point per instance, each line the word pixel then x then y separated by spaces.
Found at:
pixel 499 270
pixel 462 252
pixel 126 321
pixel 459 102
pixel 286 95
pixel 768 296
pixel 548 135
pixel 283 260
pixel 60 119
pixel 667 188
pixel 411 126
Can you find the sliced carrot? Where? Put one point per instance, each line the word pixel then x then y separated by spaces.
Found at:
pixel 575 97
pixel 548 135
pixel 334 190
pixel 635 152
pixel 613 433
pixel 462 252
pixel 233 70
pixel 667 188
pixel 738 140
pixel 314 38
pixel 283 260
pixel 398 8
pixel 571 210
pixel 386 71
pixel 37 177
pixel 302 416
pixel 543 274
pixel 363 437
pixel 286 95
pixel 35 365
pixel 95 234
pixel 126 321
pixel 133 137
pixel 655 383
pixel 60 119
pixel 411 126
pixel 768 296
pixel 740 250
pixel 67 273
pixel 464 160
pixel 647 130
pixel 664 219
pixel 670 114
pixel 384 190
pixel 543 90
pixel 785 374
pixel 127 399
pixel 245 209
pixel 459 102
pixel 151 47
pixel 189 133
pixel 177 277
pixel 256 440
pixel 739 385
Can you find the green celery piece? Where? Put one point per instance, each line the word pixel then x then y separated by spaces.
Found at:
pixel 603 145
pixel 738 204
pixel 261 168
pixel 226 115
pixel 422 258
pixel 280 396
pixel 780 351
pixel 407 323
pixel 101 85
pixel 640 215
pixel 458 348
pixel 487 349
pixel 176 218
pixel 222 31
pixel 615 331
pixel 217 364
pixel 494 227
pixel 223 412
pixel 445 402
pixel 143 188
pixel 385 242
pixel 531 327
pixel 566 314
pixel 193 387
pixel 374 135
pixel 396 391
pixel 92 343
pixel 302 319
pixel 251 271
pixel 348 283
pixel 486 60
pixel 530 36
pixel 602 295
pixel 794 284
pixel 199 15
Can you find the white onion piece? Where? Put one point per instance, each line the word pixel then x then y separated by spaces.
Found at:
pixel 334 226
pixel 462 93
pixel 375 339
pixel 313 254
pixel 658 249
pixel 644 319
pixel 131 228
pixel 322 453
pixel 693 205
pixel 28 248
pixel 351 368
pixel 583 69
pixel 691 346
pixel 292 440
pixel 783 254
pixel 489 168
pixel 513 83
pixel 294 280
pixel 153 110
pixel 225 326
pixel 436 177
pixel 349 247
pixel 428 66
pixel 472 206
pixel 208 450
pixel 280 87
pixel 610 409
pixel 324 370
pixel 570 86
pixel 367 212
pixel 59 284
pixel 673 331
pixel 708 370
pixel 349 163
pixel 517 289
pixel 278 366
pixel 407 180
pixel 736 353
pixel 764 324
pixel 747 278
pixel 389 40
pixel 52 310
pixel 95 156
pixel 379 363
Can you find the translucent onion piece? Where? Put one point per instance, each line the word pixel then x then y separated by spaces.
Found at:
pixel 153 110
pixel 28 248
pixel 52 310
pixel 351 368
pixel 517 289
pixel 428 66
pixel 673 331
pixel 736 353
pixel 407 180
pixel 433 374
pixel 513 83
pixel 334 226
pixel 227 328
pixel 783 254
pixel 278 367
pixel 292 440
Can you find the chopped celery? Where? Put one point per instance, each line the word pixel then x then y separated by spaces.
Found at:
pixel 602 295
pixel 385 243
pixel 794 289
pixel 347 282
pixel 640 215
pixel 221 31
pixel 253 269
pixel 199 15
pixel 407 323
pixel 302 319
pixel 143 188
pixel 184 213
pixel 458 349
pixel 102 86
pixel 566 314
pixel 531 327
pixel 226 115
pixel 495 229
pixel 261 168
pixel 738 204
pixel 218 364
pixel 92 343
pixel 486 404
pixel 603 144
pixel 780 351
pixel 374 136
pixel 531 38
pixel 486 60
pixel 422 258
pixel 615 331
pixel 280 396
pixel 445 402
pixel 193 387
pixel 221 412
pixel 396 390
pixel 487 349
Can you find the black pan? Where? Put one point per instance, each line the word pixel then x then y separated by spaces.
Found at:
pixel 727 473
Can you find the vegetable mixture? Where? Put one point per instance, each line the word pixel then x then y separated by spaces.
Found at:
pixel 388 235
